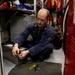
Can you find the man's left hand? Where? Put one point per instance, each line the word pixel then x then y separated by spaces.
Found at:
pixel 23 54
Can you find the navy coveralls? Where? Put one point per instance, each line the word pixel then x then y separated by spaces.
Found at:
pixel 41 42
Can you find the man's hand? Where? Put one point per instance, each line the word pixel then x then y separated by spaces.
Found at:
pixel 15 50
pixel 23 54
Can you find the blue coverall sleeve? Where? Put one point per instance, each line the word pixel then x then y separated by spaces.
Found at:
pixel 46 38
pixel 23 36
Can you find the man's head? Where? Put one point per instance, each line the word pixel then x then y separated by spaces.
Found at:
pixel 42 17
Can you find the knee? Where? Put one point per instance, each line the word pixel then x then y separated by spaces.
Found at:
pixel 49 46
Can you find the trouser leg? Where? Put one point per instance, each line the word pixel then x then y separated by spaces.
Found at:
pixel 26 45
pixel 41 55
pixel 45 53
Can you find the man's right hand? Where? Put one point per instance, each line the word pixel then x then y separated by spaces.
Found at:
pixel 15 50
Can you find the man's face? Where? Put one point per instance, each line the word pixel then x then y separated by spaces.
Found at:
pixel 42 20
